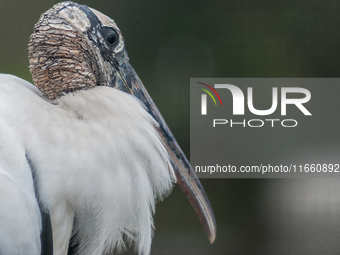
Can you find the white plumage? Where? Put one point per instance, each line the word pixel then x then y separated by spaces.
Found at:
pixel 19 208
pixel 81 148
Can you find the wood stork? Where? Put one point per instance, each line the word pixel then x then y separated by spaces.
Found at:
pixel 99 150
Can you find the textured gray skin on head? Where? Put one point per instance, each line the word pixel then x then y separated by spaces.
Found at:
pixel 63 58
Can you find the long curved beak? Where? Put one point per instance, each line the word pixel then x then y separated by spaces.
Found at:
pixel 186 177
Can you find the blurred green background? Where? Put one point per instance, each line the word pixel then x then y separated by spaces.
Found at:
pixel 170 41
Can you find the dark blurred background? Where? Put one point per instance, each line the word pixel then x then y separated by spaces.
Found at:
pixel 170 41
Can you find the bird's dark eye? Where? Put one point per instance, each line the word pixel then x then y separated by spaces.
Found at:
pixel 110 36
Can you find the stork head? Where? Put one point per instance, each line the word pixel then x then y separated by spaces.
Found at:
pixel 75 47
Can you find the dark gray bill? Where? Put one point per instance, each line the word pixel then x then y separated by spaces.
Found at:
pixel 186 177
